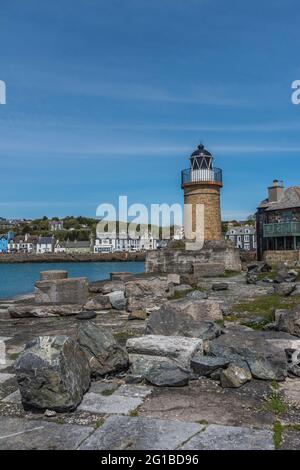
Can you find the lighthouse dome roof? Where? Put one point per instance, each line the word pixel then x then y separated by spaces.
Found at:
pixel 201 151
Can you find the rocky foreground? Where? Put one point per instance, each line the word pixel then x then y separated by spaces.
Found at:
pixel 151 362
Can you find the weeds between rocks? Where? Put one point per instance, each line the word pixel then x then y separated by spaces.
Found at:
pixel 108 392
pixel 263 306
pixel 275 402
pixel 99 423
pixel 278 429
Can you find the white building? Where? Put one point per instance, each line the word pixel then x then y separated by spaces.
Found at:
pixel 243 237
pixel 104 245
pixel 55 225
pixel 22 244
pixel 122 242
pixel 45 245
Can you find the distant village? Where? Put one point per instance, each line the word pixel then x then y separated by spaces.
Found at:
pixel 274 228
pixel 81 238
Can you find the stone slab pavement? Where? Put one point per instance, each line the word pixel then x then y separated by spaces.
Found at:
pixel 113 404
pixel 126 433
pixel 216 437
pixel 23 434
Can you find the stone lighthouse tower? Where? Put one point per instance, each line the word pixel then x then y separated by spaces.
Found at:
pixel 202 183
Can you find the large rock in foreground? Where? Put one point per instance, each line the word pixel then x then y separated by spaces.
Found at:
pixel 103 352
pixel 52 373
pixel 173 347
pixel 186 317
pixel 252 348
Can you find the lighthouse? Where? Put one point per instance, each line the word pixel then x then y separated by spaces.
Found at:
pixel 202 184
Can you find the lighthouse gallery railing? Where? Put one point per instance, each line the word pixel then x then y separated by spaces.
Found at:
pixel 192 176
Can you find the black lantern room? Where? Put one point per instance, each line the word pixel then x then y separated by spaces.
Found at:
pixel 201 159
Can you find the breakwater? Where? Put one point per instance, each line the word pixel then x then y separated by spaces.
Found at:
pixel 71 257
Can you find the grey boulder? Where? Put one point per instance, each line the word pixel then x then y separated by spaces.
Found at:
pixel 173 347
pixel 52 373
pixel 252 349
pixel 117 299
pixel 159 371
pixel 146 293
pixel 103 352
pixel 43 311
pixel 99 302
pixel 187 317
pixel 289 321
pixel 220 286
pixel 105 287
pixel 284 288
pixel 235 376
pixel 182 288
pixel 197 295
pixel 206 365
pixel 62 291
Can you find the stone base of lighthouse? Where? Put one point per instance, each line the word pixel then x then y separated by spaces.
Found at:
pixel 213 259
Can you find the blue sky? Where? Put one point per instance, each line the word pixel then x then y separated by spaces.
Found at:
pixel 110 97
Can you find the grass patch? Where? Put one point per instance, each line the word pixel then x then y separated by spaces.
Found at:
pixel 124 335
pixel 277 434
pixel 108 392
pixel 178 295
pixel 295 427
pixel 259 325
pixel 203 422
pixel 134 413
pixel 267 275
pixel 275 402
pixel 230 274
pixel 14 356
pixel 263 306
pixel 99 423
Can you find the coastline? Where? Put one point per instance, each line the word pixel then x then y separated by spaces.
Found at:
pixel 71 257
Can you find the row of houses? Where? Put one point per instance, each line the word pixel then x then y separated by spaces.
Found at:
pixel 277 229
pixel 104 244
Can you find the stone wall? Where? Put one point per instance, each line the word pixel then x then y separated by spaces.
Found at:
pixel 279 257
pixel 70 257
pixel 183 261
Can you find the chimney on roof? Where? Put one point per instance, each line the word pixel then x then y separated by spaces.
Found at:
pixel 276 191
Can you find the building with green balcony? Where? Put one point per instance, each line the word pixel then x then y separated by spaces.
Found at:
pixel 278 220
